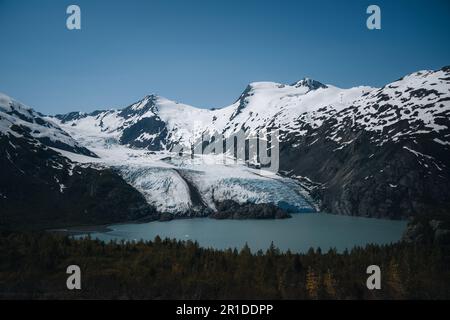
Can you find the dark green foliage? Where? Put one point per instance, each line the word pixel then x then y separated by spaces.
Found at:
pixel 33 265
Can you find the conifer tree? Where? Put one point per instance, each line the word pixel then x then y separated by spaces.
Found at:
pixel 394 281
pixel 330 285
pixel 312 284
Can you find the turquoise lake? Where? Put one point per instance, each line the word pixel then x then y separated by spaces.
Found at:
pixel 298 233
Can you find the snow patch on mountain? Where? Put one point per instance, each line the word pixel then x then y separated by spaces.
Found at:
pixel 17 119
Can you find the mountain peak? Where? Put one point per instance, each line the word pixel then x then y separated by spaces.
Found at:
pixel 146 102
pixel 152 96
pixel 311 84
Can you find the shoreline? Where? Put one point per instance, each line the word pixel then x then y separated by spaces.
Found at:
pixel 79 230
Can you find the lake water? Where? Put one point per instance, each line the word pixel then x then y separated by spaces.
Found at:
pixel 298 233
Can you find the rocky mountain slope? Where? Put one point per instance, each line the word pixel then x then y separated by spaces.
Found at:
pixel 385 154
pixel 39 188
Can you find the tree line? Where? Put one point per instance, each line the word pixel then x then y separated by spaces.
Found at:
pixel 33 265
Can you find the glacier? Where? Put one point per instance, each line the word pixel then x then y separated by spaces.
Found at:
pixel 185 187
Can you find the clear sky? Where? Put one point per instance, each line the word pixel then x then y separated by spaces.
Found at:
pixel 204 53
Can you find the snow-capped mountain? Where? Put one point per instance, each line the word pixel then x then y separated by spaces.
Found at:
pixel 364 151
pixel 40 188
pixel 380 152
pixel 17 119
pixel 385 154
pixel 156 123
pixel 49 179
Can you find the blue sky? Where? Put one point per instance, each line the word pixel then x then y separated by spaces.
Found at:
pixel 204 53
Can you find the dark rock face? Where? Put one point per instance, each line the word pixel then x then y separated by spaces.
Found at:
pixel 230 209
pixel 398 171
pixel 62 146
pixel 375 181
pixel 165 217
pixel 311 84
pixel 151 126
pixel 428 229
pixel 199 207
pixel 30 117
pixel 71 116
pixel 242 101
pixel 139 108
pixel 148 133
pixel 41 189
